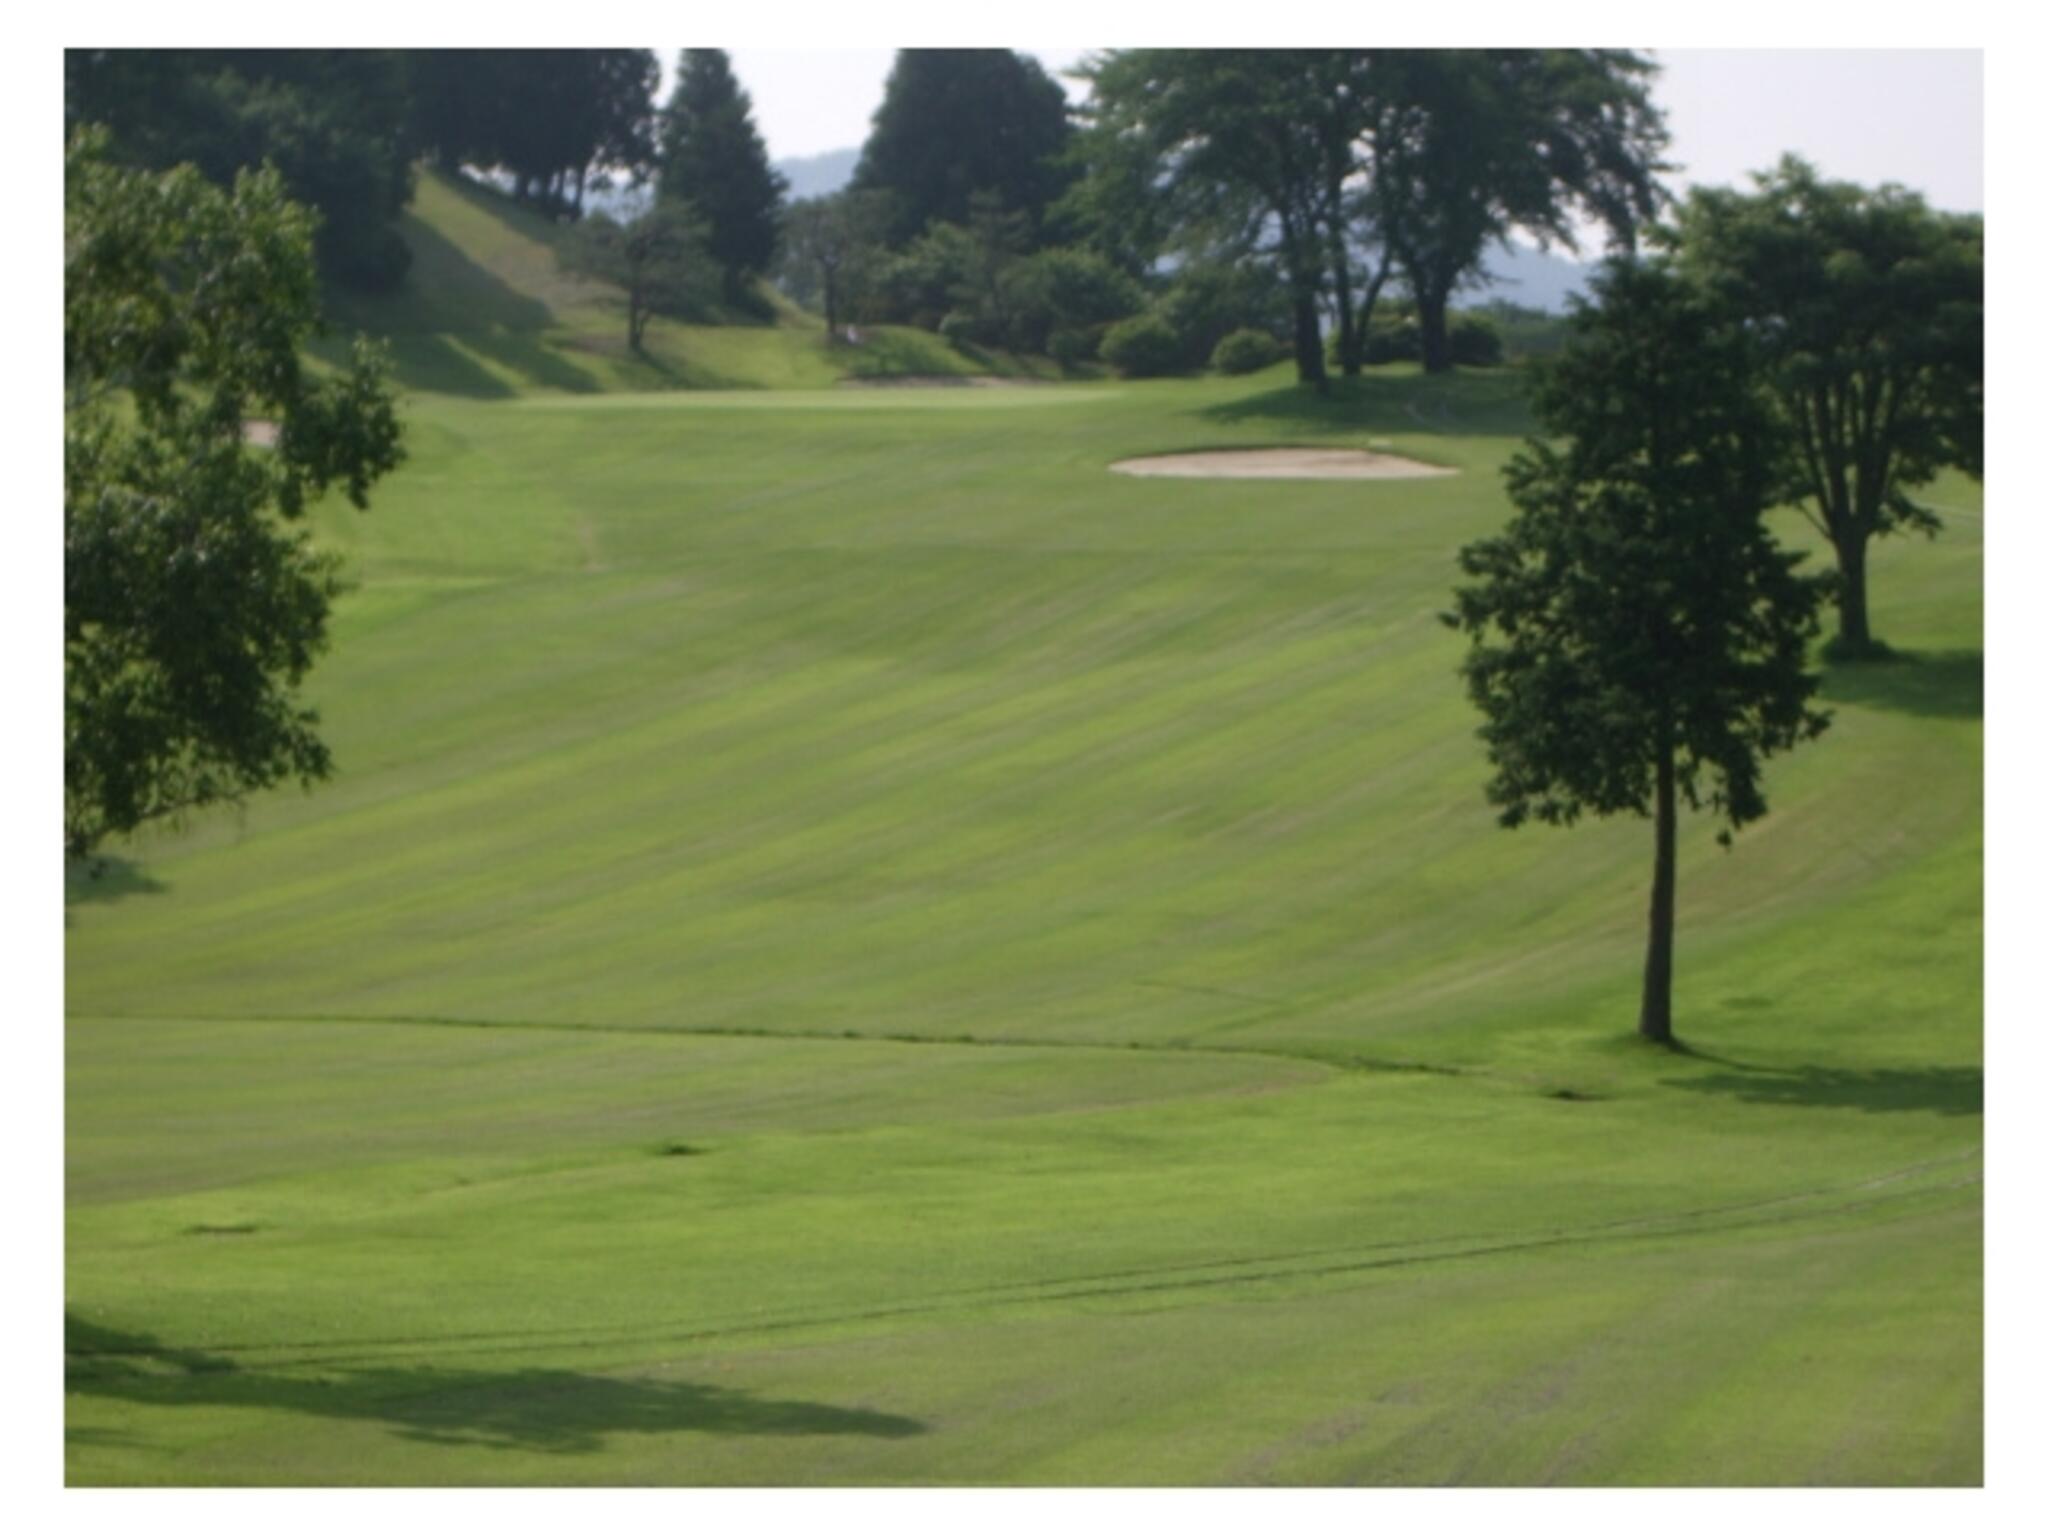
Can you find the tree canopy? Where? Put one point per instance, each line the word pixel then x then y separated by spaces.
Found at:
pixel 1638 637
pixel 549 117
pixel 1342 166
pixel 1466 144
pixel 957 122
pixel 713 158
pixel 192 609
pixel 1245 151
pixel 1867 309
pixel 332 121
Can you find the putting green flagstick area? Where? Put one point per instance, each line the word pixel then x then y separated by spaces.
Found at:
pixel 849 944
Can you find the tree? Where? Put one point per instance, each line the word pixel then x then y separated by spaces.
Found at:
pixel 1638 637
pixel 660 260
pixel 1868 309
pixel 828 245
pixel 1463 145
pixel 713 158
pixel 955 122
pixel 1246 150
pixel 192 607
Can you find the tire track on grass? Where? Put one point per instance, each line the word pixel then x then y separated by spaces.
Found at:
pixel 1332 1062
pixel 1247 1272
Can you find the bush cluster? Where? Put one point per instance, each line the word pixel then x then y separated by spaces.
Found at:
pixel 1246 351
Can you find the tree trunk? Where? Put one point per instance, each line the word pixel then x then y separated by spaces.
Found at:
pixel 1350 353
pixel 1308 343
pixel 1433 310
pixel 1852 595
pixel 1655 1020
pixel 831 306
pixel 1373 295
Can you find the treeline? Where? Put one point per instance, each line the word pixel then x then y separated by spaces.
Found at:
pixel 1198 195
pixel 1201 194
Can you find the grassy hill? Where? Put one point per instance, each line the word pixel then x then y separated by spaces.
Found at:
pixel 486 312
pixel 851 945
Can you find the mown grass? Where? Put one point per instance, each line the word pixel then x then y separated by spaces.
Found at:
pixel 1060 916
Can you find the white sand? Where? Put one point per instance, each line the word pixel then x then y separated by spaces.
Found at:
pixel 1281 464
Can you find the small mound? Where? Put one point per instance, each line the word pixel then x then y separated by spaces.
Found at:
pixel 931 381
pixel 1281 464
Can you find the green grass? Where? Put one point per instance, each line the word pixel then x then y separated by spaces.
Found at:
pixel 486 312
pixel 849 944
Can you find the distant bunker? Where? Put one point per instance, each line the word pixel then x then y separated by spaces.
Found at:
pixel 1281 464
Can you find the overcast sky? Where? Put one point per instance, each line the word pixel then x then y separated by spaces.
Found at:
pixel 1863 115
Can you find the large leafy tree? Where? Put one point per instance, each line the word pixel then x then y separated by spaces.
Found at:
pixel 957 122
pixel 332 121
pixel 713 158
pixel 1239 151
pixel 1464 145
pixel 192 605
pixel 1638 637
pixel 1868 310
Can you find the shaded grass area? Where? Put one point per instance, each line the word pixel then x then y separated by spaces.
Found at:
pixel 1943 684
pixel 553 1412
pixel 1059 916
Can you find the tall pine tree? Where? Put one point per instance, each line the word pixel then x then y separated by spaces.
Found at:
pixel 956 122
pixel 713 158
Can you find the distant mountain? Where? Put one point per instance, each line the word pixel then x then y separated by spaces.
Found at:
pixel 819 175
pixel 1522 274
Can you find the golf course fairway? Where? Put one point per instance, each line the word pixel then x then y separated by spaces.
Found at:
pixel 850 944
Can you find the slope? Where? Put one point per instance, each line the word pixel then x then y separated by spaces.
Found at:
pixel 486 312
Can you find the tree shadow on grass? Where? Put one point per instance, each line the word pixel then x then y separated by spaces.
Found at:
pixel 1938 684
pixel 103 878
pixel 1873 1090
pixel 1486 403
pixel 554 1411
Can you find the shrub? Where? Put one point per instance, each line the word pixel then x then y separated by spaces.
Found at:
pixel 1142 347
pixel 1394 340
pixel 958 326
pixel 1207 301
pixel 1070 347
pixel 1245 351
pixel 1475 342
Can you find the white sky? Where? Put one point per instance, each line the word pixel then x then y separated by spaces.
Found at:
pixel 1869 115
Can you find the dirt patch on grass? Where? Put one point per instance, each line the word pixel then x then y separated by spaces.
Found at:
pixel 1281 464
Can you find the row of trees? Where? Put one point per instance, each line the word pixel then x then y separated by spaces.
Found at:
pixel 1345 169
pixel 1639 639
pixel 1334 174
pixel 552 119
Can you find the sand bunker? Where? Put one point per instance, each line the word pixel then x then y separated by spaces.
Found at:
pixel 1281 464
